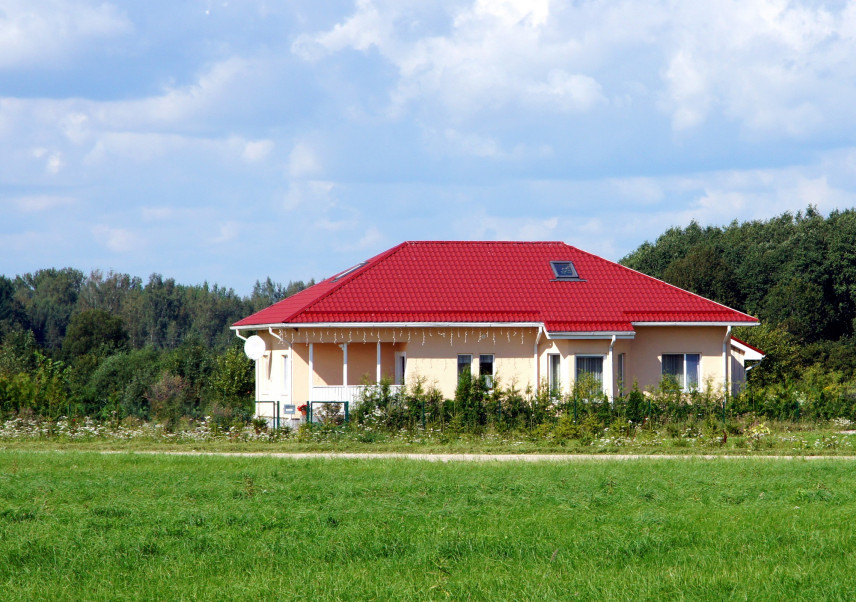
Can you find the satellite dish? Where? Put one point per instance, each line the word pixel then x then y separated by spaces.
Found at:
pixel 255 347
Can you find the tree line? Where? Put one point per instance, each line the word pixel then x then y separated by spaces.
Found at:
pixel 795 272
pixel 109 345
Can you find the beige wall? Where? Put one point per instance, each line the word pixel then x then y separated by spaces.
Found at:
pixel 647 349
pixel 432 356
pixel 435 359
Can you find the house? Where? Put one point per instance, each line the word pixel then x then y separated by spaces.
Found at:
pixel 526 313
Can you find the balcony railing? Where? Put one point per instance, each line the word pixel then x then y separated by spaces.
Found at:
pixel 343 393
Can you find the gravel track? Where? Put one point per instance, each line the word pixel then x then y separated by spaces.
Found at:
pixel 479 457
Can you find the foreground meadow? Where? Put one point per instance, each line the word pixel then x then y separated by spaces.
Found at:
pixel 83 525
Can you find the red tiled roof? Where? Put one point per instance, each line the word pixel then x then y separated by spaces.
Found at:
pixel 745 344
pixel 494 282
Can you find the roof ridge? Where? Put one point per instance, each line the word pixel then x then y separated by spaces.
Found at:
pixel 371 263
pixel 485 242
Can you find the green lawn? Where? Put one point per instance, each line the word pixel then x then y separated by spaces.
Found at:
pixel 80 525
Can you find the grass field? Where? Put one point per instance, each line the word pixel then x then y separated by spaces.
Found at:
pixel 81 525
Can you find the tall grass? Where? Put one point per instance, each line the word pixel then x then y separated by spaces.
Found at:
pixel 85 526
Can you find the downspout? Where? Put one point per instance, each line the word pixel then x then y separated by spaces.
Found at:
pixel 611 391
pixel 725 357
pixel 535 366
pixel 240 336
pixel 276 336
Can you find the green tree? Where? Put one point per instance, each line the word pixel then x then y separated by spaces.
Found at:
pixel 233 380
pixel 704 272
pixel 96 332
pixel 48 298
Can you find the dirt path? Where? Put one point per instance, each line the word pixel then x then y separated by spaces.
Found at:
pixel 478 457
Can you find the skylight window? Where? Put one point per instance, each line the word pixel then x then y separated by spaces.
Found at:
pixel 565 270
pixel 348 271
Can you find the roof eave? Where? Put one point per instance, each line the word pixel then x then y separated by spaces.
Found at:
pixel 594 334
pixel 725 323
pixel 298 325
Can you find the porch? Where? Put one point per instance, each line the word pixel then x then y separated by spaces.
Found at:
pixel 342 393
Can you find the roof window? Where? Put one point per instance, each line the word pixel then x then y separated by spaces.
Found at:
pixel 348 271
pixel 565 270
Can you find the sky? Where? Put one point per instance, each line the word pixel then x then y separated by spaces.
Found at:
pixel 228 141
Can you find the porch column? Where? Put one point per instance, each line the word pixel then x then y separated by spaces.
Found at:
pixel 609 371
pixel 311 368
pixel 378 363
pixel 345 364
pixel 535 384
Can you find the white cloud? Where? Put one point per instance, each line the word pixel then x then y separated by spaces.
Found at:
pixel 158 213
pixel 644 191
pixel 53 30
pixel 218 89
pixel 471 144
pixel 257 150
pixel 118 240
pixel 369 239
pixel 480 225
pixel 533 13
pixel 328 225
pixel 303 161
pixel 55 163
pixel 498 53
pixel 228 231
pixel 778 68
pixel 312 193
pixel 44 202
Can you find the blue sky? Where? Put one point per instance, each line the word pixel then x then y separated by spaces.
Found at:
pixel 231 140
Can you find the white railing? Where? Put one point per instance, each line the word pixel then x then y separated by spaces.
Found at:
pixel 343 393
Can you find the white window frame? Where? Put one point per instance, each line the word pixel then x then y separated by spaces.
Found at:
pixel 400 367
pixel 492 374
pixel 458 365
pixel 555 388
pixel 621 373
pixel 579 356
pixel 683 384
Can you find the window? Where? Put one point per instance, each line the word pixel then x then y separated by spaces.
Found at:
pixel 348 271
pixel 682 369
pixel 554 373
pixel 465 363
pixel 486 370
pixel 286 376
pixel 621 373
pixel 400 367
pixel 589 371
pixel 565 270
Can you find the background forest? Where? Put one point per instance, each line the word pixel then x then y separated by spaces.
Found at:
pixel 108 345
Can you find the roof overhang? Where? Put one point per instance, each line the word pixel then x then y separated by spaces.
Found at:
pixel 582 334
pixel 749 353
pixel 299 325
pixel 606 335
pixel 602 334
pixel 635 324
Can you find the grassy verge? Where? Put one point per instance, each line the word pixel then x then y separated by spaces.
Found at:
pixel 86 526
pixel 751 438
